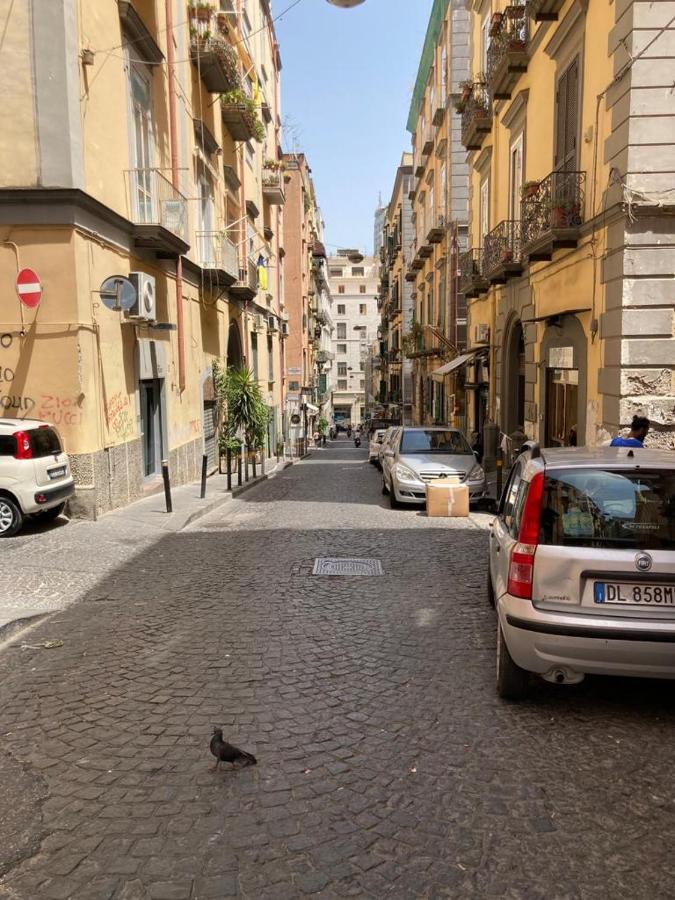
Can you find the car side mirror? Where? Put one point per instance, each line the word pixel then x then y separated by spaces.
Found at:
pixel 389 454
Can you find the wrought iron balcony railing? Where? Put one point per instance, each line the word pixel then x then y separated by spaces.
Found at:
pixel 158 211
pixel 273 187
pixel 246 286
pixel 501 252
pixel 216 61
pixel 476 116
pixel 507 54
pixel 552 213
pixel 471 279
pixel 218 254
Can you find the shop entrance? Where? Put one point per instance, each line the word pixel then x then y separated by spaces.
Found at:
pixel 562 399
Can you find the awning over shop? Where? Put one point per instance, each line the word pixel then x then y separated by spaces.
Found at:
pixel 458 362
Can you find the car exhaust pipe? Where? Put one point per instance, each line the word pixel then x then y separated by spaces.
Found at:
pixel 559 677
pixel 563 676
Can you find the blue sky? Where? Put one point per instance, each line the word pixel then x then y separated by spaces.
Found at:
pixel 347 80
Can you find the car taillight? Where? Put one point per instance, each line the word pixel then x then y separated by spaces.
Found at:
pixel 23 446
pixel 521 567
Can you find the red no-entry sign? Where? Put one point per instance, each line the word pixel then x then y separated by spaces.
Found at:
pixel 28 288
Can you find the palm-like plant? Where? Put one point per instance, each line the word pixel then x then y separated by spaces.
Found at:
pixel 247 412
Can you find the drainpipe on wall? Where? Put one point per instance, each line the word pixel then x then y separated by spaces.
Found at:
pixel 173 144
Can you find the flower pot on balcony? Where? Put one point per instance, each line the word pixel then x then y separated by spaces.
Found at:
pixel 204 12
pixel 565 215
pixel 495 23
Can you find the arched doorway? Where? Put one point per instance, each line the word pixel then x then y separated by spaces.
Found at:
pixel 513 396
pixel 235 355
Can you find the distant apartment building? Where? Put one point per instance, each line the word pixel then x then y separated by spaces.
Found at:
pixel 308 305
pixel 437 338
pixel 395 388
pixel 353 281
pixel 142 140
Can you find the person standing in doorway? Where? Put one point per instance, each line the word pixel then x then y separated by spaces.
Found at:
pixel 639 428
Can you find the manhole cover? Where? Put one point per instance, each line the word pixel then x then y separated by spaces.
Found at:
pixel 346 566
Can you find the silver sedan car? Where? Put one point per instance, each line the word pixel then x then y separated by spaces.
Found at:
pixel 417 456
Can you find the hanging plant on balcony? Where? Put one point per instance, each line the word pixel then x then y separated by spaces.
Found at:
pixel 204 11
pixel 466 89
pixel 224 53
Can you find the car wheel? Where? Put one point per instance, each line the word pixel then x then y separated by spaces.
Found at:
pixel 11 517
pixel 53 513
pixel 490 590
pixel 385 489
pixel 512 681
pixel 393 502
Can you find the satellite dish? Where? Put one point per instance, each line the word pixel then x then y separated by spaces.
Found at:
pixel 118 293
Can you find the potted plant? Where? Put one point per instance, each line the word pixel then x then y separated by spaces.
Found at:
pixel 204 12
pixel 496 23
pixel 466 89
pixel 564 214
pixel 529 189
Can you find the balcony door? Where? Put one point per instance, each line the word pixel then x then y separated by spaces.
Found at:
pixel 516 178
pixel 206 205
pixel 567 119
pixel 142 144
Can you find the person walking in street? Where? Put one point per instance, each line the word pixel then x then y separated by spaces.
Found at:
pixel 638 432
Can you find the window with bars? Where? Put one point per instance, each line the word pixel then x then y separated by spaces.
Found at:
pixel 342 385
pixel 341 348
pixel 363 309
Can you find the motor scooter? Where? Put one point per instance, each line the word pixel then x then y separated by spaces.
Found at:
pixel 357 440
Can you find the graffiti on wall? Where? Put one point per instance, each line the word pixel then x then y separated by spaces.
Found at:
pixel 118 415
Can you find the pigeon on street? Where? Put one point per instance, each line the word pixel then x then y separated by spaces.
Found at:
pixel 225 752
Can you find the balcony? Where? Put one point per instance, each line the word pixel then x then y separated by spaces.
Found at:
pixel 273 187
pixel 324 356
pixel 428 143
pixel 217 256
pixel 507 55
pixel 501 253
pixel 240 117
pixel 471 280
pixel 439 116
pixel 425 342
pixel 552 214
pixel 158 212
pixel 411 273
pixel 215 60
pixel 476 116
pixel 544 10
pixel 438 229
pixel 246 286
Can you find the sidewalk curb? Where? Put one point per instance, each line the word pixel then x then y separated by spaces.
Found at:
pixel 236 491
pixel 10 630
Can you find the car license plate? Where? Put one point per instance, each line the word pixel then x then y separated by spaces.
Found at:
pixel 625 594
pixel 57 473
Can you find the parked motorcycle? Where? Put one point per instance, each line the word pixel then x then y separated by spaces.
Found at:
pixel 357 441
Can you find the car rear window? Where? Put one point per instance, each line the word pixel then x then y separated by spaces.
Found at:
pixel 434 442
pixel 598 508
pixel 7 445
pixel 44 442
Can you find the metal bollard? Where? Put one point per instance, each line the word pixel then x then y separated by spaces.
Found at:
pixel 239 467
pixel 262 463
pixel 245 452
pixel 500 474
pixel 228 460
pixel 167 485
pixel 253 463
pixel 205 463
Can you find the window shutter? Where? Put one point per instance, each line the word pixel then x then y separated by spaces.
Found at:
pixel 572 117
pixel 560 107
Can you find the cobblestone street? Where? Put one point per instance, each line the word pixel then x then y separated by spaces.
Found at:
pixel 387 767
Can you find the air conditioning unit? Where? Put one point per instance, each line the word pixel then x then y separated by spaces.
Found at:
pixel 481 334
pixel 284 317
pixel 259 322
pixel 145 306
pixel 285 331
pixel 272 324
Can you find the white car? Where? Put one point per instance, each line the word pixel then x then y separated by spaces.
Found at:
pixel 35 476
pixel 374 445
pixel 582 566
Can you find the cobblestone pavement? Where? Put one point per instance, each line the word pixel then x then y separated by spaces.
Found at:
pixel 386 765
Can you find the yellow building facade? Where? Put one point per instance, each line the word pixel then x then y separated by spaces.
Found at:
pixel 142 143
pixel 440 219
pixel 569 269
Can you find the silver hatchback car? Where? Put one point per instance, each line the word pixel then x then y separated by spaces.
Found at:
pixel 415 456
pixel 582 566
